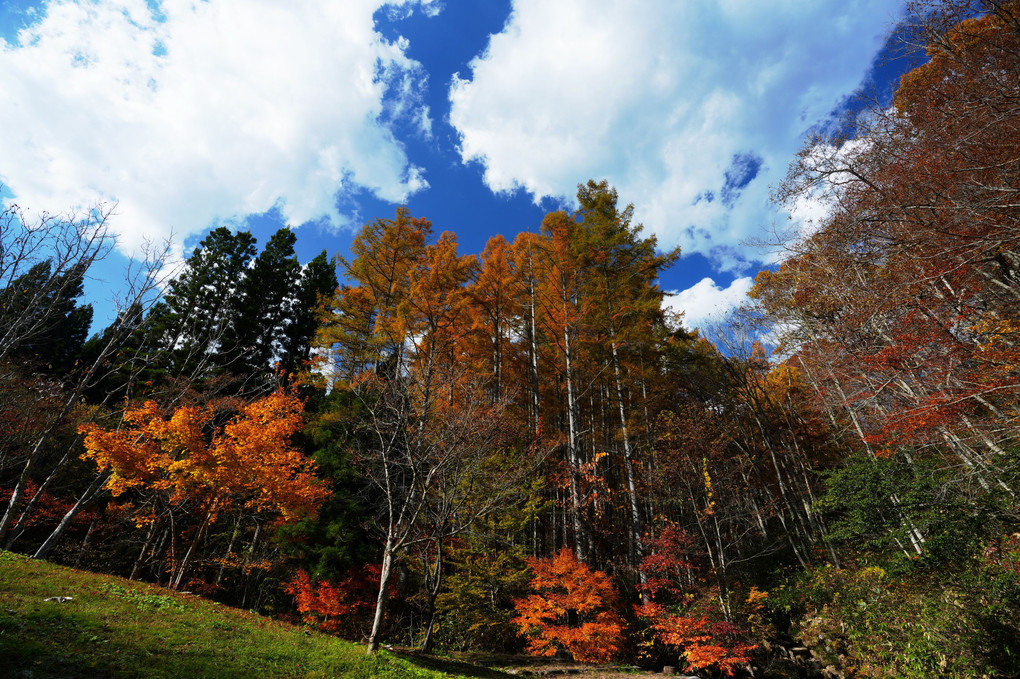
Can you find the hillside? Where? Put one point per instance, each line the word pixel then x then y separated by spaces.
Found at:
pixel 117 628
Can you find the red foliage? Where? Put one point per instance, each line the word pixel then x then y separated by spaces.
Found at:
pixel 49 509
pixel 703 643
pixel 681 620
pixel 344 608
pixel 572 609
pixel 669 561
pixel 902 303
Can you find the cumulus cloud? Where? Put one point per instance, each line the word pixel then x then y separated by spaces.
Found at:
pixel 691 109
pixel 187 112
pixel 706 302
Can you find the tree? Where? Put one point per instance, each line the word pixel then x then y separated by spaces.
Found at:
pixel 192 324
pixel 623 273
pixel 494 298
pixel 247 463
pixel 676 616
pixel 235 316
pixel 41 268
pixel 318 282
pixel 912 278
pixel 255 335
pixel 438 454
pixel 47 304
pixel 572 609
pixel 345 607
pixel 562 312
pixel 58 251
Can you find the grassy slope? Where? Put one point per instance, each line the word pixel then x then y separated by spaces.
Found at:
pixel 115 628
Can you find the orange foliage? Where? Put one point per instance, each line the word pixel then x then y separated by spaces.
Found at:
pixel 249 461
pixel 572 609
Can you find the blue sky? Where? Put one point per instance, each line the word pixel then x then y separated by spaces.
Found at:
pixel 479 114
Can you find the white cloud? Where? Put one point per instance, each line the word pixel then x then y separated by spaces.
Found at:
pixel 206 110
pixel 705 302
pixel 809 207
pixel 673 102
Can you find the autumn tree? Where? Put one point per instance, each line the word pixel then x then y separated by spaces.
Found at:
pixel 562 311
pixel 494 298
pixel 573 608
pixel 909 282
pixel 676 613
pixel 438 453
pixel 41 268
pixel 184 462
pixel 623 271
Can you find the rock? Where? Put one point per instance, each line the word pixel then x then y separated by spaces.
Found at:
pixel 669 669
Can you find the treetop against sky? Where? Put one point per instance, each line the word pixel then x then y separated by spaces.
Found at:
pixel 481 116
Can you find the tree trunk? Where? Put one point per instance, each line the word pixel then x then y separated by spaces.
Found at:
pixel 140 561
pixel 636 547
pixel 17 527
pixel 572 456
pixel 186 561
pixel 380 602
pixel 437 582
pixel 90 494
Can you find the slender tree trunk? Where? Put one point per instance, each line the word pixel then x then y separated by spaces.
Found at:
pixel 380 602
pixel 533 337
pixel 433 593
pixel 90 494
pixel 572 456
pixel 85 543
pixel 186 561
pixel 636 546
pixel 140 561
pixel 230 549
pixel 18 527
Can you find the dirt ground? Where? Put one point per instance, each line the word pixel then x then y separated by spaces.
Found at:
pixel 526 666
pixel 568 669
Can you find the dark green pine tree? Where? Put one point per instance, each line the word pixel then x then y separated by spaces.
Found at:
pixel 264 307
pixel 318 281
pixel 118 376
pixel 189 327
pixel 42 320
pixel 275 319
pixel 235 316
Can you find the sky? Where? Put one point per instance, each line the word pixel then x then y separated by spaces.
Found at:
pixel 482 115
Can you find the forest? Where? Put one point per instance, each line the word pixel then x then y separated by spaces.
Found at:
pixel 520 451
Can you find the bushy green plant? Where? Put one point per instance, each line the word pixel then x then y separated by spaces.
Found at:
pixel 873 622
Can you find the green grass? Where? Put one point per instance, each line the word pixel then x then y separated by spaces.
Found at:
pixel 119 629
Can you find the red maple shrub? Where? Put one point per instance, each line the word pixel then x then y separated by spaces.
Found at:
pixel 343 608
pixel 572 609
pixel 680 617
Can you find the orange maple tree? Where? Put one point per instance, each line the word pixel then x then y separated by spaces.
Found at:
pixel 572 609
pixel 248 461
pixel 185 459
pixel 702 642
